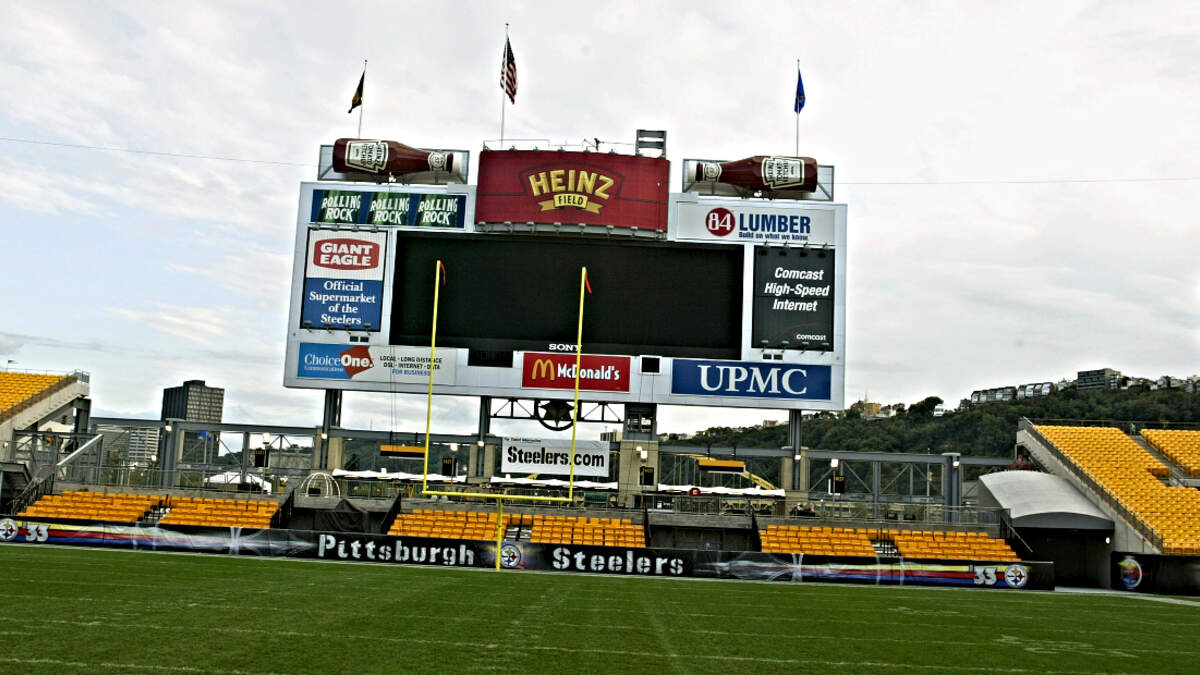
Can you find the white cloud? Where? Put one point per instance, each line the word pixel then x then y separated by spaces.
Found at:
pixel 198 324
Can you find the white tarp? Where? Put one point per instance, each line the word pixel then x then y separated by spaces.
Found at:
pixel 397 475
pixel 741 492
pixel 237 477
pixel 555 482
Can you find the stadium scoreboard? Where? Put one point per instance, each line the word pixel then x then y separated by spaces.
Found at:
pixel 705 301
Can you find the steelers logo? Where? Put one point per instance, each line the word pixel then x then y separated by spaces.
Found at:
pixel 8 529
pixel 510 556
pixel 1016 576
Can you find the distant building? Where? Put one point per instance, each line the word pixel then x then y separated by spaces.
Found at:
pixel 135 445
pixel 1034 390
pixel 991 395
pixel 195 401
pixel 1103 378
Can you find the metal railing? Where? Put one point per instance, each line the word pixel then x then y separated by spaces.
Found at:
pixel 1131 427
pixel 905 514
pixel 712 505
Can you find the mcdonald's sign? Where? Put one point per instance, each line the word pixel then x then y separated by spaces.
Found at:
pixel 557 371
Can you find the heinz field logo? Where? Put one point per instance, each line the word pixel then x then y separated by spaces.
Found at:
pixel 578 188
pixel 346 254
pixel 557 371
pixel 748 379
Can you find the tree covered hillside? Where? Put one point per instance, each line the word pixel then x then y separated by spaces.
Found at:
pixel 985 430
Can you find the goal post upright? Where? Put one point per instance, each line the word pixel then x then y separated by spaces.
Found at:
pixel 439 280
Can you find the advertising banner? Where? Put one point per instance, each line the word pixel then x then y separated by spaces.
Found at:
pixel 529 186
pixel 362 363
pixel 388 209
pixel 729 223
pixel 557 371
pixel 343 280
pixel 1148 573
pixel 750 379
pixel 524 555
pixel 753 565
pixel 793 299
pixel 532 455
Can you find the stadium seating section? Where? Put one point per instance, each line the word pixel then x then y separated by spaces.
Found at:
pixel 17 387
pixel 253 513
pixel 952 545
pixel 123 508
pixel 851 541
pixel 544 529
pixel 816 540
pixel 1131 475
pixel 588 531
pixel 448 524
pixel 110 507
pixel 1182 447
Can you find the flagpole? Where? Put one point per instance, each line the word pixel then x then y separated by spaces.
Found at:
pixel 797 116
pixel 503 92
pixel 361 106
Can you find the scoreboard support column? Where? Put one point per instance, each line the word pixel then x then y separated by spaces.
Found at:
pixel 795 489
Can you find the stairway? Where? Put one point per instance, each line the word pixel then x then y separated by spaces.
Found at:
pixel 885 549
pixel 1178 475
pixel 154 515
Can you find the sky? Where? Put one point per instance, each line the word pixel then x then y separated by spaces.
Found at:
pixel 1022 178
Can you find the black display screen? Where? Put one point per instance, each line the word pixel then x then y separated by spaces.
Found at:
pixel 793 299
pixel 509 292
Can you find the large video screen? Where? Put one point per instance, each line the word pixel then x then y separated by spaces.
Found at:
pixel 509 292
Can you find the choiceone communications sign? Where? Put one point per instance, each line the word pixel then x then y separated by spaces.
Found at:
pixel 360 363
pixel 553 457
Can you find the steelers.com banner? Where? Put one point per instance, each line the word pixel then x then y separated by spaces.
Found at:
pixel 553 457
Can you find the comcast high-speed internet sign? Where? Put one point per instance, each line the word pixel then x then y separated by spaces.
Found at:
pixel 733 303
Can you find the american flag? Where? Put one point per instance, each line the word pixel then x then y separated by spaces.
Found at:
pixel 508 72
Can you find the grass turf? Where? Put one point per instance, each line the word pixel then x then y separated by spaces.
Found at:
pixel 68 609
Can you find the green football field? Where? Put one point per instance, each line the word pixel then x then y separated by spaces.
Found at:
pixel 77 610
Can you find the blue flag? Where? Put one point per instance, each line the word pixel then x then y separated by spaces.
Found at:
pixel 799 92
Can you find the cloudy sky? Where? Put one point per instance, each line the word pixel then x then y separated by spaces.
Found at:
pixel 1023 179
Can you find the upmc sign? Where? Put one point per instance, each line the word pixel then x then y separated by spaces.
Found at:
pixel 557 371
pixel 748 379
pixel 582 188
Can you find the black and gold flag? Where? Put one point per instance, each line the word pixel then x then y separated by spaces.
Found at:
pixel 357 100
